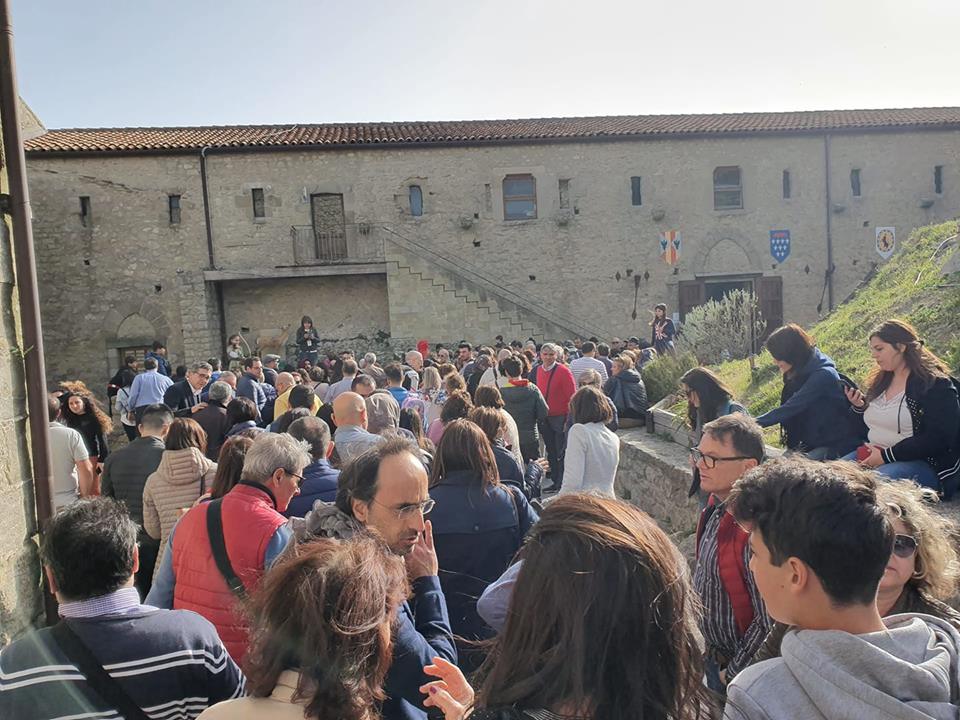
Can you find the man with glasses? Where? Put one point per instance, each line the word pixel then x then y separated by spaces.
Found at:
pixel 734 621
pixel 195 576
pixel 385 489
pixel 183 397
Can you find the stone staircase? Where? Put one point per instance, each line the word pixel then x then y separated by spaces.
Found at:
pixel 435 295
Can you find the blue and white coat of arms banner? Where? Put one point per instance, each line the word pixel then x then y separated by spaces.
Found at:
pixel 780 244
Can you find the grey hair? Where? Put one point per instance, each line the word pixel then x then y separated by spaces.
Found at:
pixel 231 373
pixel 590 377
pixel 221 392
pixel 198 366
pixel 271 358
pixel 271 451
pixel 550 347
pixel 370 358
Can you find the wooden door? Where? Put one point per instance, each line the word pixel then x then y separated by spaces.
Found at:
pixel 692 294
pixel 329 232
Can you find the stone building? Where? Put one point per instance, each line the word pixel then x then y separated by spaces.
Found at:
pixel 389 233
pixel 20 597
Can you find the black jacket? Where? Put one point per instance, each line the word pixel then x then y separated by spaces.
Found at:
pixel 935 412
pixel 126 471
pixel 213 419
pixel 628 394
pixel 179 397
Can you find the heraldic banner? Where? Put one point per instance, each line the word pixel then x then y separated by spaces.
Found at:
pixel 670 246
pixel 886 241
pixel 780 244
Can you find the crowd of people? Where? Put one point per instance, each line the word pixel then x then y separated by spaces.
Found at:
pixel 440 535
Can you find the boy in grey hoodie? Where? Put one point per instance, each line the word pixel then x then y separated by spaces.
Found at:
pixel 820 545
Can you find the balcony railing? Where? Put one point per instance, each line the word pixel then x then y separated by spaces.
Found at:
pixel 354 244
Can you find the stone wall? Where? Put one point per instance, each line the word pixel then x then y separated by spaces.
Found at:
pixel 20 597
pixel 654 474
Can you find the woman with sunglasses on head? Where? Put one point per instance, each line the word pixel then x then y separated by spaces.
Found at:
pixel 479 524
pixel 924 568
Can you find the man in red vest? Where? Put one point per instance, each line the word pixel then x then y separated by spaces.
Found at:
pixel 209 577
pixel 557 386
pixel 735 621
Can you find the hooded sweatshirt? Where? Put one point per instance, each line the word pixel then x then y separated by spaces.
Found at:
pixel 908 672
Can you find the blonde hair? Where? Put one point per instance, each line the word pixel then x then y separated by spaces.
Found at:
pixel 431 379
pixel 937 571
pixel 626 359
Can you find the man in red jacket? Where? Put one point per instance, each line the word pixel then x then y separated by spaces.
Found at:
pixel 254 535
pixel 735 621
pixel 557 386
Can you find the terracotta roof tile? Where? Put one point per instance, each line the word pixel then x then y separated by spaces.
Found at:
pixel 483 131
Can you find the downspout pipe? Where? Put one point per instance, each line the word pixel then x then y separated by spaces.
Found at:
pixel 828 209
pixel 26 270
pixel 210 257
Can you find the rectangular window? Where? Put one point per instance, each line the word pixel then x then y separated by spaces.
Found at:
pixel 416 200
pixel 259 210
pixel 173 205
pixel 85 218
pixel 519 197
pixel 855 182
pixel 938 179
pixel 564 188
pixel 727 189
pixel 786 184
pixel 636 196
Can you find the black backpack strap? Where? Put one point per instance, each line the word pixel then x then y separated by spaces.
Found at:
pixel 97 677
pixel 219 547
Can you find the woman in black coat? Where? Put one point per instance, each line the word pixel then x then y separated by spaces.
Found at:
pixel 628 393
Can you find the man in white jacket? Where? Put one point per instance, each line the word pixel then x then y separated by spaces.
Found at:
pixel 820 545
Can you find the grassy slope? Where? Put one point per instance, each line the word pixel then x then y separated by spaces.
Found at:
pixel 893 292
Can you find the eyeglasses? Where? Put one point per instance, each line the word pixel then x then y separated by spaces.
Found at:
pixel 300 478
pixel 709 461
pixel 406 511
pixel 904 546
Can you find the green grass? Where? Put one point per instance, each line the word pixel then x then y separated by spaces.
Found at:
pixel 904 287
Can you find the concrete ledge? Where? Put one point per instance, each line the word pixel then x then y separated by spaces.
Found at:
pixel 654 474
pixel 298 271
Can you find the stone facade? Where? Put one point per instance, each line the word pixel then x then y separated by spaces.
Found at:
pixel 460 270
pixel 20 597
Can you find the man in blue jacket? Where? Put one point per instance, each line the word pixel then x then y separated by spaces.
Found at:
pixel 319 478
pixel 385 488
pixel 248 385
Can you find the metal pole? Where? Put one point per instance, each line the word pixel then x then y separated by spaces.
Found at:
pixel 26 276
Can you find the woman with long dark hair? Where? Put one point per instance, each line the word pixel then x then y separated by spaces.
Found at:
pixel 813 415
pixel 321 638
pixel 478 526
pixel 308 341
pixel 602 624
pixel 707 399
pixel 82 412
pixel 910 411
pixel 662 330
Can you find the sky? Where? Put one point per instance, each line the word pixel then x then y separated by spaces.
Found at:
pixel 121 63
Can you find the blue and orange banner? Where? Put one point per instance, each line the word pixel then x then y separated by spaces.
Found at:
pixel 671 243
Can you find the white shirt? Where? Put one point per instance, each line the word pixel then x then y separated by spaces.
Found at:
pixel 888 421
pixel 590 463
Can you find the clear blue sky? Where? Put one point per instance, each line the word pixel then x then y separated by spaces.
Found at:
pixel 203 62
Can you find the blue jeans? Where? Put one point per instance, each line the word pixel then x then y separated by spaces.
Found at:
pixel 917 470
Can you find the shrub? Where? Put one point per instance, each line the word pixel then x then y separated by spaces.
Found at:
pixel 662 376
pixel 717 331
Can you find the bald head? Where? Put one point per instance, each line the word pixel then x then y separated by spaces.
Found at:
pixel 230 378
pixel 284 382
pixel 349 409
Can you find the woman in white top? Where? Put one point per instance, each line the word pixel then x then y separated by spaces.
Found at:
pixel 430 392
pixel 593 452
pixel 910 410
pixel 320 645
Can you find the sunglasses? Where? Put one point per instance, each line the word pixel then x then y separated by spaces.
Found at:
pixel 904 546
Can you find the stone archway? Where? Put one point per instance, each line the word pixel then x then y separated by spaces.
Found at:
pixel 727 256
pixel 134 327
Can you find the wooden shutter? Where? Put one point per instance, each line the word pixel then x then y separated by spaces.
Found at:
pixel 692 294
pixel 770 299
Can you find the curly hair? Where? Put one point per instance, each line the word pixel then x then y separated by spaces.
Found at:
pixel 937 572
pixel 90 406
